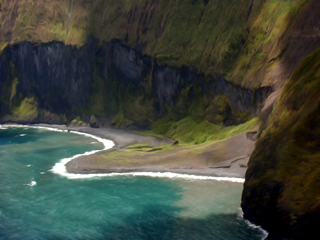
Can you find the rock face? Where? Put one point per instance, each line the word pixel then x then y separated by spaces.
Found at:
pixel 282 181
pixel 200 63
pixel 253 43
pixel 106 79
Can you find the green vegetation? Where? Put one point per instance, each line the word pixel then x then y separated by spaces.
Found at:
pixel 77 121
pixel 121 121
pixel 250 43
pixel 189 131
pixel 196 141
pixel 27 111
pixel 236 38
pixel 147 148
pixel 3 46
pixel 288 150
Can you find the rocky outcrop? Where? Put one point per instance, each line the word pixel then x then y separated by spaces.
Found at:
pixel 111 78
pixel 282 181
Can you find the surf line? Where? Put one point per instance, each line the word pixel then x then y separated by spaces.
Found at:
pixel 60 167
pixel 251 225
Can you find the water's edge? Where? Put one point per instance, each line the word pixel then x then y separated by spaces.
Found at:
pixel 60 168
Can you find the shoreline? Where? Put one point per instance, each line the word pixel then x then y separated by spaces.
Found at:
pixel 229 170
pixel 188 174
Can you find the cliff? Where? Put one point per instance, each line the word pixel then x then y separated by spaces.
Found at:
pixel 175 65
pixel 280 191
pixel 147 63
pixel 113 80
pixel 248 41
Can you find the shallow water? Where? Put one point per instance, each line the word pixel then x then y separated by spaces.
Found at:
pixel 36 203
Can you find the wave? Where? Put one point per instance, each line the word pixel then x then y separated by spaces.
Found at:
pixel 31 184
pixel 60 167
pixel 265 234
pixel 6 126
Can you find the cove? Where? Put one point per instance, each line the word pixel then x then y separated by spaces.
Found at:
pixel 37 203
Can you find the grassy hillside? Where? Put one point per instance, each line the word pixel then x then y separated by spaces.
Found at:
pixel 245 40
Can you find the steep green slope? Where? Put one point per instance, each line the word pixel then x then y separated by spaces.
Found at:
pixel 245 40
pixel 249 43
pixel 281 191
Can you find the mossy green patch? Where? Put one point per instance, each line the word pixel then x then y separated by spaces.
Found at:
pixel 27 111
pixel 121 122
pixel 146 147
pixel 3 46
pixel 190 131
pixel 77 121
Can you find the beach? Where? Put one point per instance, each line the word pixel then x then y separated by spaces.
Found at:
pixel 226 158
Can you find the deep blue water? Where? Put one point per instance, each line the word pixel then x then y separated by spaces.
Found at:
pixel 36 203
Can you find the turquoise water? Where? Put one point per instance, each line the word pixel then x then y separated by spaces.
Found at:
pixel 36 203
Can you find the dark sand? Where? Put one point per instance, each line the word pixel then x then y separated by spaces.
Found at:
pixel 227 158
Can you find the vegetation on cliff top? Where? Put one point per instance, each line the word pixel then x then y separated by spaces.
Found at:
pixel 241 39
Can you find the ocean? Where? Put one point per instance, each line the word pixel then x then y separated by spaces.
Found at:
pixel 39 200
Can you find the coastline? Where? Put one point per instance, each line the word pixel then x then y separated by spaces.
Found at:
pixel 231 170
pixel 197 168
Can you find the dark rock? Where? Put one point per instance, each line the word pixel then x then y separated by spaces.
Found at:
pixel 65 80
pixel 251 135
pixel 94 122
pixel 175 143
pixel 94 125
pixel 123 125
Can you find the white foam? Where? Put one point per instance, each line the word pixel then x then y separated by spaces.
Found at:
pixel 31 184
pixel 21 135
pixel 60 167
pixel 28 165
pixel 6 126
pixel 251 225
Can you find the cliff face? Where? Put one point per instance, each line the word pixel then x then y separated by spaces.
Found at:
pixel 282 182
pixel 210 60
pixel 112 79
pixel 250 42
pixel 172 65
pixel 280 192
